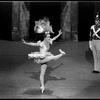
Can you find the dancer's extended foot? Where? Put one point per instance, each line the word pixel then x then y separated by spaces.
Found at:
pixel 42 88
pixel 62 52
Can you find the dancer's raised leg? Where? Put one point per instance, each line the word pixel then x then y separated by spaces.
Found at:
pixel 49 58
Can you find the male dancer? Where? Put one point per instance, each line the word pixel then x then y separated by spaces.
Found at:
pixel 94 43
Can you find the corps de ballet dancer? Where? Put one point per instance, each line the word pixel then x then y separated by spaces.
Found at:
pixel 44 56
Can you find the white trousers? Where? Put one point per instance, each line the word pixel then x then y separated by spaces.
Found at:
pixel 96 54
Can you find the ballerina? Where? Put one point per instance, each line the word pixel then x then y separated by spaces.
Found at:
pixel 44 56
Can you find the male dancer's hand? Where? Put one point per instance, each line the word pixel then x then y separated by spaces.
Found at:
pixel 90 45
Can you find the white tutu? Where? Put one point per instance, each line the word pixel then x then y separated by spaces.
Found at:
pixel 39 55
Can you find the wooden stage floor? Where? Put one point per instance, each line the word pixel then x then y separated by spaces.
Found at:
pixel 69 77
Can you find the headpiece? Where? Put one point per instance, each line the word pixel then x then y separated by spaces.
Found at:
pixel 45 24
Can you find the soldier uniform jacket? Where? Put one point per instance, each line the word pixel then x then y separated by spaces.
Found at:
pixel 94 33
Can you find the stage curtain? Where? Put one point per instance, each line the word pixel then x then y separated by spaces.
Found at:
pixel 20 20
pixel 69 21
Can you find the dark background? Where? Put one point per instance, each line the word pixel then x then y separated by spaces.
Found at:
pixel 52 10
pixel 86 12
pixel 5 20
pixel 85 19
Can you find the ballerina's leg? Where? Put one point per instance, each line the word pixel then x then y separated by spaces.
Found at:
pixel 49 58
pixel 43 69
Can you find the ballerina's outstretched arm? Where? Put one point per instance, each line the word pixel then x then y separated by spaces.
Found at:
pixel 57 36
pixel 31 43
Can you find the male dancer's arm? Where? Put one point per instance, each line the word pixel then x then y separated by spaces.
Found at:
pixel 90 40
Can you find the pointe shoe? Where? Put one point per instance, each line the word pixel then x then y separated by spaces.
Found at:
pixel 42 88
pixel 62 52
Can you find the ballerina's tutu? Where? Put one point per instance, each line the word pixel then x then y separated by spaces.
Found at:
pixel 39 55
pixel 36 55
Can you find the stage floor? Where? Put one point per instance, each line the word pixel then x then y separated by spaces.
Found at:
pixel 69 77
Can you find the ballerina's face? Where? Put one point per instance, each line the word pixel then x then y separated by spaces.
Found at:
pixel 47 39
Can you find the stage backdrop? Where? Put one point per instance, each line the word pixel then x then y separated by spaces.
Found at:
pixel 5 20
pixel 69 22
pixel 20 20
pixel 38 10
pixel 75 18
pixel 85 19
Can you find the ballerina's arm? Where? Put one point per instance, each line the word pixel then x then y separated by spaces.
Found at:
pixel 31 43
pixel 56 36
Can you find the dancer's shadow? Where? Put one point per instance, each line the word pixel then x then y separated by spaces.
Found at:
pixel 37 91
pixel 89 56
pixel 47 77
